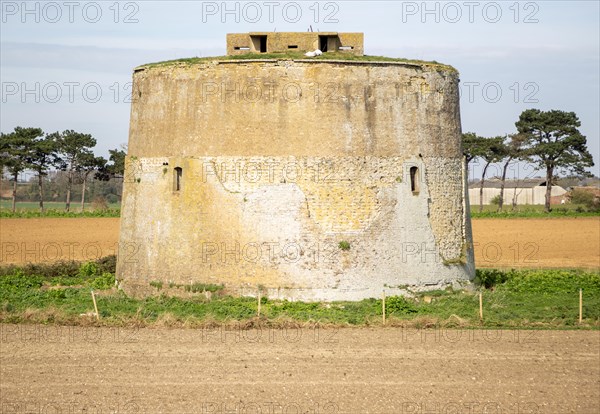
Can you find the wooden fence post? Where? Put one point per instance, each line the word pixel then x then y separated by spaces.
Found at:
pixel 258 296
pixel 481 306
pixel 95 305
pixel 580 305
pixel 383 306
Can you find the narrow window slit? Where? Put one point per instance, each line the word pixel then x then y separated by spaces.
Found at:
pixel 414 180
pixel 177 173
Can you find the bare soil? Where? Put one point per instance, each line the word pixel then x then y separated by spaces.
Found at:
pixel 568 242
pixel 543 243
pixel 385 370
pixel 54 239
pixel 63 369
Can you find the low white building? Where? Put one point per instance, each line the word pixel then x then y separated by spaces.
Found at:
pixel 526 191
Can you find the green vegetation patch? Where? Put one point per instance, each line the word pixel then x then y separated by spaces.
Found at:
pixel 488 212
pixel 549 281
pixel 56 213
pixel 299 56
pixel 344 245
pixel 547 299
pixel 534 211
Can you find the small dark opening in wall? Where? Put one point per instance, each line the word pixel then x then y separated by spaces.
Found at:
pixel 263 44
pixel 292 46
pixel 328 43
pixel 414 180
pixel 323 43
pixel 177 173
pixel 346 47
pixel 241 48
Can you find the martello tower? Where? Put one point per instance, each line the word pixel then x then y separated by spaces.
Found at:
pixel 327 177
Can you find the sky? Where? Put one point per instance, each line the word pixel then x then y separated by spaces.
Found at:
pixel 68 64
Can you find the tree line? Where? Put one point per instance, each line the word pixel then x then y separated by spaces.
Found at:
pixel 31 149
pixel 549 139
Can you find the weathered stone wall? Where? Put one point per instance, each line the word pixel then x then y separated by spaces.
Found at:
pixel 283 160
pixel 242 43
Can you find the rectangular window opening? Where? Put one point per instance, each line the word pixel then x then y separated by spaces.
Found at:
pixel 346 47
pixel 241 48
pixel 292 46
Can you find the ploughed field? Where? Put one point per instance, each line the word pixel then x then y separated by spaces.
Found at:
pixel 309 369
pixel 52 369
pixel 499 243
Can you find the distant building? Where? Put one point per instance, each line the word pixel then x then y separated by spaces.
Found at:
pixel 526 191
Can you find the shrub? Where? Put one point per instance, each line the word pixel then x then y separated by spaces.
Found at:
pixel 63 268
pixel 579 196
pixel 57 294
pixel 586 198
pixel 100 203
pixel 107 264
pixel 489 278
pixel 19 281
pixel 496 200
pixel 105 281
pixel 57 269
pixel 88 269
pixel 344 245
pixel 399 305
pixel 112 198
pixel 538 281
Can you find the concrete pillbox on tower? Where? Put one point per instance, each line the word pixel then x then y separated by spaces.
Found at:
pixel 280 42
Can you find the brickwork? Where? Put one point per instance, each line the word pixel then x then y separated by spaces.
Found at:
pixel 280 162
